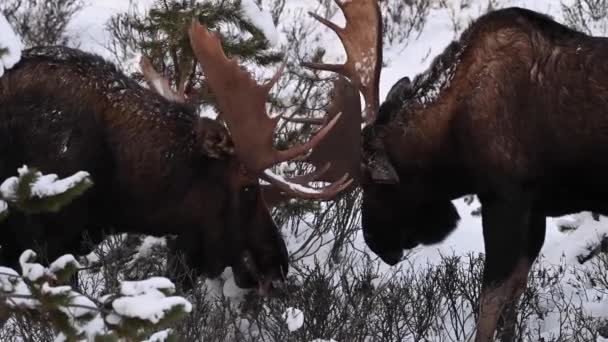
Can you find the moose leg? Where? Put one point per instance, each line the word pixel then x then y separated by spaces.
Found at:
pixel 512 236
pixel 535 243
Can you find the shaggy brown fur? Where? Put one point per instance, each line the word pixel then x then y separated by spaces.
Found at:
pixel 516 112
pixel 158 168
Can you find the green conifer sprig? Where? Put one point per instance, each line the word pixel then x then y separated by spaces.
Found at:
pixel 162 36
pixel 26 192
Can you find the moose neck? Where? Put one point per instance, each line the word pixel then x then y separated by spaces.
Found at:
pixel 419 131
pixel 140 127
pixel 430 86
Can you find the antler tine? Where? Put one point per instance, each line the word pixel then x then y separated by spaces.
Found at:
pixel 243 105
pixel 337 29
pixel 292 189
pixel 274 196
pixel 362 40
pixel 159 83
pixel 338 154
pixel 268 85
pixel 311 121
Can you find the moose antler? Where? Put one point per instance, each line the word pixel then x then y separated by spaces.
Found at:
pixel 342 146
pixel 362 40
pixel 160 84
pixel 243 104
pixel 339 153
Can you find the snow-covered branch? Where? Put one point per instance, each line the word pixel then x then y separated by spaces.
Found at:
pixel 136 312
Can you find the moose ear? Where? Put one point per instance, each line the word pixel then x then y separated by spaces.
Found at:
pixel 213 139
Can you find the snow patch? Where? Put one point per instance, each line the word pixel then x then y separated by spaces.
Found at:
pixel 50 185
pixel 29 270
pixel 9 42
pixel 262 20
pixel 208 112
pixel 160 336
pixel 147 246
pixel 145 299
pixel 63 262
pixel 294 319
pixel 134 288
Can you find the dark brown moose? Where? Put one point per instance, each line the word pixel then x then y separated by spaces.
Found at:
pixel 158 167
pixel 516 111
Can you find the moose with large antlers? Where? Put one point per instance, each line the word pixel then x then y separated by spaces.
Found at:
pixel 515 111
pixel 158 167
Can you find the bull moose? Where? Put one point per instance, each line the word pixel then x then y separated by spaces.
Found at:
pixel 515 111
pixel 158 167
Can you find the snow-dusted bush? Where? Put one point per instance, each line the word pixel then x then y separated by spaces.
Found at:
pixel 589 16
pixel 31 192
pixel 41 22
pixel 135 312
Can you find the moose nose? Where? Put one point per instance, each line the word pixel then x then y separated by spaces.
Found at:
pixel 392 257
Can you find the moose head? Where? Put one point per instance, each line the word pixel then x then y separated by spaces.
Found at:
pixel 247 147
pixel 399 209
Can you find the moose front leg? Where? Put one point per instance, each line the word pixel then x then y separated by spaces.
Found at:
pixel 513 236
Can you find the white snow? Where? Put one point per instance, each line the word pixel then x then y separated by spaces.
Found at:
pixel 145 299
pixel 8 189
pixel 147 246
pixel 160 336
pixel 150 307
pixel 51 185
pixel 3 206
pixel 29 270
pixel 260 19
pixel 134 288
pixel 44 185
pixel 55 290
pixel 9 41
pixel 63 262
pixel 89 25
pixel 230 289
pixel 294 319
pixel 205 111
pixel 8 276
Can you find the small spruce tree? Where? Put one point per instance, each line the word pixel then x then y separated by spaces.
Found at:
pixel 161 35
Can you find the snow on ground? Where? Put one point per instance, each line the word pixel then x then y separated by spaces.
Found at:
pixel 294 318
pixel 146 300
pixel 10 46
